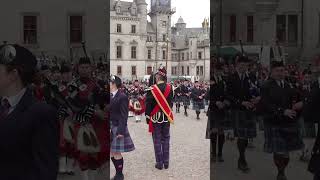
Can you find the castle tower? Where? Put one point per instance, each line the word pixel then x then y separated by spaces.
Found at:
pixel 160 15
pixel 142 11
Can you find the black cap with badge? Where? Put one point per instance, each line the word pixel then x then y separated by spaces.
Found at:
pixel 20 58
pixel 116 80
pixel 16 55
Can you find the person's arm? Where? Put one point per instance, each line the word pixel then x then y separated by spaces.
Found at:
pixel 124 109
pixel 45 142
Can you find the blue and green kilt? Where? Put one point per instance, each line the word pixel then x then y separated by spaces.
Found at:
pixel 282 139
pixel 121 145
pixel 198 105
pixel 245 124
pixel 185 100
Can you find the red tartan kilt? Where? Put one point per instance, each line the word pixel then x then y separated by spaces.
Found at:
pixel 66 148
pixel 143 107
pixel 95 160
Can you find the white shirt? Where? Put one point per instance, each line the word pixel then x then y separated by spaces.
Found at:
pixel 14 100
pixel 114 93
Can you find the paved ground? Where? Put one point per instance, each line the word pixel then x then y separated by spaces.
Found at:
pixel 190 157
pixel 189 151
pixel 261 165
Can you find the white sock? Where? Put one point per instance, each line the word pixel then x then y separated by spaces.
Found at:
pixel 91 174
pixel 85 175
pixel 62 164
pixel 70 163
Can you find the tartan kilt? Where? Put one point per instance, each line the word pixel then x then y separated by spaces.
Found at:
pixel 216 120
pixel 177 99
pixel 121 145
pixel 198 105
pixel 277 140
pixel 245 124
pixel 185 100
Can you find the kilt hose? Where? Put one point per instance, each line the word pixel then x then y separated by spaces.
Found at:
pixel 121 145
pixel 282 139
pixel 245 124
pixel 161 142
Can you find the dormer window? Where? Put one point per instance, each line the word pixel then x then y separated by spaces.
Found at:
pixel 118 9
pixel 133 11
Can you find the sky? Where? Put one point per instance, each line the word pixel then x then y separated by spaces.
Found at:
pixel 193 12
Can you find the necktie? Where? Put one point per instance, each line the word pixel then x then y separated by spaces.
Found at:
pixel 111 95
pixel 5 107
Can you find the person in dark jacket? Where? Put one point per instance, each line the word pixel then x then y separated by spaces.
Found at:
pixel 311 110
pixel 121 140
pixel 243 105
pixel 159 116
pixel 30 145
pixel 197 96
pixel 217 112
pixel 281 107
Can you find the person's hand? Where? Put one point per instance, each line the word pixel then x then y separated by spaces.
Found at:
pixel 226 103
pixel 297 106
pixel 290 113
pixel 120 136
pixel 200 97
pixel 247 104
pixel 220 104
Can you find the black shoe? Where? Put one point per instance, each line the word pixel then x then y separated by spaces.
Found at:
pixel 118 177
pixel 243 166
pixel 166 166
pixel 70 173
pixel 159 166
pixel 220 159
pixel 281 176
pixel 186 114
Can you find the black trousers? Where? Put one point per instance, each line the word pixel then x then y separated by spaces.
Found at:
pixel 316 176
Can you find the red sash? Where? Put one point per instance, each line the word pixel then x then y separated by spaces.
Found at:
pixel 162 104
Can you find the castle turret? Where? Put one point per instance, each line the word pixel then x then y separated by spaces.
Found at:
pixel 181 25
pixel 142 11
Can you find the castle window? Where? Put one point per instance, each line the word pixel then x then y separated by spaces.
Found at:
pixel 118 9
pixel 133 70
pixel 163 54
pixel 281 28
pixel 233 28
pixel 119 28
pixel 164 23
pixel 199 55
pixel 76 29
pixel 164 37
pixel 133 29
pixel 149 53
pixel 119 70
pixel 119 52
pixel 249 28
pixel 293 28
pixel 133 52
pixel 30 29
pixel 133 11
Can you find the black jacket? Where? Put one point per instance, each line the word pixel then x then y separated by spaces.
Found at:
pixel 29 149
pixel 275 100
pixel 151 102
pixel 119 108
